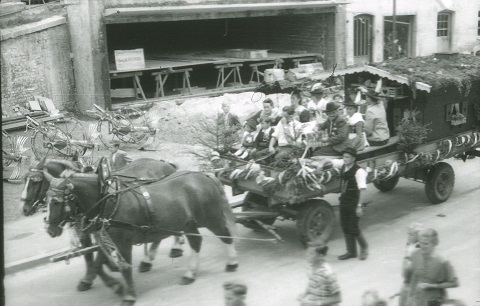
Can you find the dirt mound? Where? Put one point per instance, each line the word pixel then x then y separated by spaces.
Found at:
pixel 178 122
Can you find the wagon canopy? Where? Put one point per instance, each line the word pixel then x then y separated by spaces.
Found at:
pixel 427 73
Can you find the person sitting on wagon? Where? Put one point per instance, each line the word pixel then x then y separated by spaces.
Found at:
pixel 317 105
pixel 269 110
pixel 262 140
pixel 376 126
pixel 301 113
pixel 336 128
pixel 287 134
pixel 248 139
pixel 356 134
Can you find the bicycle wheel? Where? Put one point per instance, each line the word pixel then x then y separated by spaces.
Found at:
pixel 75 130
pixel 52 142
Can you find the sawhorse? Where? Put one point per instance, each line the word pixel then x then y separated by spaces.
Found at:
pixel 137 87
pixel 234 68
pixel 302 60
pixel 162 76
pixel 277 64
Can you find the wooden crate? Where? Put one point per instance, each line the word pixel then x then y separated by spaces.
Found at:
pixel 246 53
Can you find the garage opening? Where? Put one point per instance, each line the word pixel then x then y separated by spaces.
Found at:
pixel 199 46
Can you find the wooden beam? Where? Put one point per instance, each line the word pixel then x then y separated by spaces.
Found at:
pixel 138 15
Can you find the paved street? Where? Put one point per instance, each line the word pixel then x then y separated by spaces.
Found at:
pixel 276 273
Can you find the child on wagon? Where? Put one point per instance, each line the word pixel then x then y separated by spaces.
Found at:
pixel 248 140
pixel 262 140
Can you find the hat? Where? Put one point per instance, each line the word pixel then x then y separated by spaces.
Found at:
pixel 237 287
pixel 351 151
pixel 289 110
pixel 349 102
pixel 331 106
pixel 317 91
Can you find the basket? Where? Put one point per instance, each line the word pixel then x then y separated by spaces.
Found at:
pixel 273 75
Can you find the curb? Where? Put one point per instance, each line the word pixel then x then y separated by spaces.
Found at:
pixel 42 259
pixel 31 262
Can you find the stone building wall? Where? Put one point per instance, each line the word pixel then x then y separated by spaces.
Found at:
pixel 37 63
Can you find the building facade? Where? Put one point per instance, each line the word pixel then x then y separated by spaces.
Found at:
pixel 422 28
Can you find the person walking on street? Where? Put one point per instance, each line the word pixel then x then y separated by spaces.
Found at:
pixel 322 289
pixel 427 274
pixel 353 186
pixel 118 158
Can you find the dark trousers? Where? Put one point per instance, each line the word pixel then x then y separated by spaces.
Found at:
pixel 349 219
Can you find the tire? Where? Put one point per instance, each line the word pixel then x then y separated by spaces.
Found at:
pixel 315 221
pixel 439 183
pixel 255 201
pixel 386 185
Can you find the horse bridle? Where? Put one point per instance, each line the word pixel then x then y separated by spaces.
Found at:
pixel 64 197
pixel 30 177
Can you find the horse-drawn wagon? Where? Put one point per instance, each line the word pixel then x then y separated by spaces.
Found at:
pixel 430 120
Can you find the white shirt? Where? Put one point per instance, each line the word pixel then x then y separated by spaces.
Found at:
pixel 293 128
pixel 319 109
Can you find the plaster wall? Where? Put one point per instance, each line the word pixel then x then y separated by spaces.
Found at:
pixel 37 63
pixel 464 24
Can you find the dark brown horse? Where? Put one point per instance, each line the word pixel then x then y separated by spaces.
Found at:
pixel 182 202
pixel 36 187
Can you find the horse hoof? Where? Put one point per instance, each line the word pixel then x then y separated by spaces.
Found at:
pixel 144 267
pixel 231 268
pixel 83 286
pixel 186 280
pixel 118 289
pixel 174 253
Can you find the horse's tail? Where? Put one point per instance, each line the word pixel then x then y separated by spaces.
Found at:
pixel 226 209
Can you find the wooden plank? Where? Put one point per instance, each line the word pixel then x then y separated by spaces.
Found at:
pixel 17 125
pixel 123 93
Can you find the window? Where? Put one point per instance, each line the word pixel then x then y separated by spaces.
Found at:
pixel 443 21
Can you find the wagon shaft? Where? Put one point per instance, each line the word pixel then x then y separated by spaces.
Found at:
pixel 75 253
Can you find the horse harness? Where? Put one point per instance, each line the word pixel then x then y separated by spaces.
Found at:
pixel 109 202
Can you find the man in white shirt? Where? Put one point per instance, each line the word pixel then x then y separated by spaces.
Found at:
pixel 287 134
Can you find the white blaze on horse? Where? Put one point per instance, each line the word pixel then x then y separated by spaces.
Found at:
pixel 35 191
pixel 148 212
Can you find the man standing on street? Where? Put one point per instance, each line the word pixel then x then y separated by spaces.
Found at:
pixel 353 186
pixel 118 158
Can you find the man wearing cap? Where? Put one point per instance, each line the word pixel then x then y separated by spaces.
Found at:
pixel 352 187
pixel 118 158
pixel 317 105
pixel 376 126
pixel 336 128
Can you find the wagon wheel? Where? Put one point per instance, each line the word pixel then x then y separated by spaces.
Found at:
pixel 74 129
pixel 439 183
pixel 138 119
pixel 386 185
pixel 257 202
pixel 7 150
pixel 315 221
pixel 51 141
